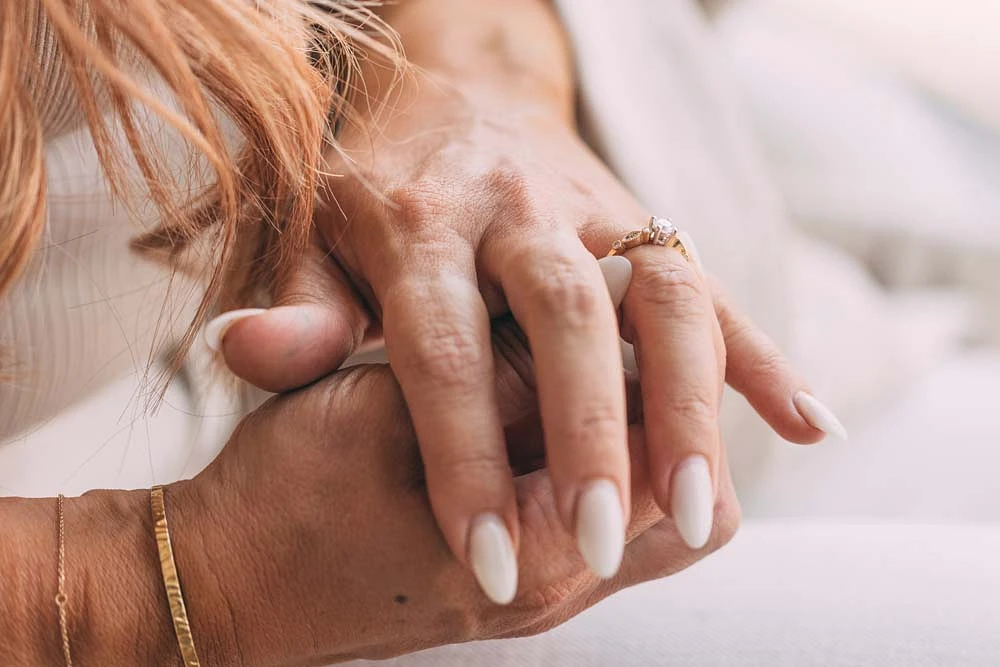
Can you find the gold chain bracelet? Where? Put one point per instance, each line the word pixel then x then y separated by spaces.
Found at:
pixel 171 582
pixel 61 599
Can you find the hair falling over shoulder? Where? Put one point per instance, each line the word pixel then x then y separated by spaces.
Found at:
pixel 278 72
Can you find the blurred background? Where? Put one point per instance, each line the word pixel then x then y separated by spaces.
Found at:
pixel 880 123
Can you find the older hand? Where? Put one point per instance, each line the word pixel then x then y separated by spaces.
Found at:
pixel 326 548
pixel 462 202
pixel 441 227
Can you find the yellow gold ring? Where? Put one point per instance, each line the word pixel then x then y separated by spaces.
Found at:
pixel 659 231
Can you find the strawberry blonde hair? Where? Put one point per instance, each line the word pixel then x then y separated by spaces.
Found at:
pixel 279 72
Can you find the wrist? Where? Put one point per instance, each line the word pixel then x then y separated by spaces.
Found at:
pixel 114 615
pixel 117 609
pixel 494 53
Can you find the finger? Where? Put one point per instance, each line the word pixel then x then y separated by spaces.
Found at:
pixel 755 366
pixel 557 294
pixel 670 320
pixel 437 334
pixel 515 371
pixel 564 582
pixel 557 591
pixel 316 322
pixel 757 369
pixel 657 550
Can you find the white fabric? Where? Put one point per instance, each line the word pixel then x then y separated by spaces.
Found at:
pixel 928 452
pixel 856 343
pixel 87 310
pixel 950 48
pixel 789 595
pixel 866 158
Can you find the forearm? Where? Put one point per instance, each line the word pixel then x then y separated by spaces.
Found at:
pixel 117 607
pixel 505 50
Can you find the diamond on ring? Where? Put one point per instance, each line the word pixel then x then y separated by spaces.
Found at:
pixel 659 231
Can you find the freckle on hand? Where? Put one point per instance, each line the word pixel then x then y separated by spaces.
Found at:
pixel 400 599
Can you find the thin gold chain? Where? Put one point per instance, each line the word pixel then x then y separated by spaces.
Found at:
pixel 61 598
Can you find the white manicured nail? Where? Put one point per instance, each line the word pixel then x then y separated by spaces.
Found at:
pixel 628 357
pixel 600 527
pixel 492 557
pixel 692 249
pixel 818 415
pixel 692 501
pixel 216 329
pixel 617 272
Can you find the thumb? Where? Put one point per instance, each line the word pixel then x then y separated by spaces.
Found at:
pixel 316 322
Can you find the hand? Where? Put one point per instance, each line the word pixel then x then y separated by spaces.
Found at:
pixel 324 547
pixel 488 212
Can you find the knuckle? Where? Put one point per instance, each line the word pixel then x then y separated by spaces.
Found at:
pixel 446 354
pixel 695 406
pixel 672 285
pixel 548 599
pixel 768 363
pixel 337 398
pixel 460 469
pixel 510 192
pixel 597 429
pixel 563 293
pixel 508 181
pixel 418 206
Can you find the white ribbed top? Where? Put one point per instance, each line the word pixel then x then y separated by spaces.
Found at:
pixel 85 311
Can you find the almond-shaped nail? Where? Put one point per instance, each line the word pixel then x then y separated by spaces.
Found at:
pixel 216 329
pixel 692 500
pixel 600 527
pixel 492 557
pixel 617 271
pixel 818 415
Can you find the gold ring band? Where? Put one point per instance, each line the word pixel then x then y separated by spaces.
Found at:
pixel 659 231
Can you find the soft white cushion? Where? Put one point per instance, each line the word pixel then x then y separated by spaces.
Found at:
pixel 929 452
pixel 789 595
pixel 856 343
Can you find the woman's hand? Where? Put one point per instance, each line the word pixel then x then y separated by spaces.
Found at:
pixel 323 546
pixel 462 205
pixel 310 540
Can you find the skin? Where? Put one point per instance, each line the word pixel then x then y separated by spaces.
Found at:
pixel 311 539
pixel 469 194
pixel 314 536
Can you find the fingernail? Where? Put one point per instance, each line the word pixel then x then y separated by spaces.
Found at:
pixel 629 362
pixel 617 272
pixel 492 557
pixel 692 249
pixel 216 329
pixel 692 501
pixel 818 415
pixel 600 527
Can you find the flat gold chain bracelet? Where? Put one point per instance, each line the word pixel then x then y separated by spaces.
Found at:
pixel 171 582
